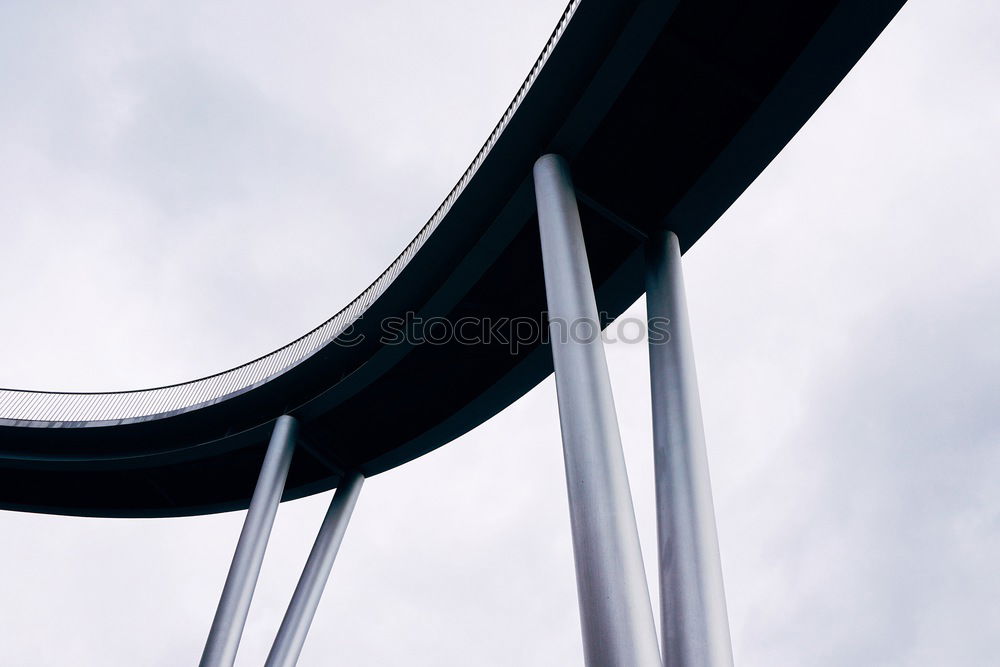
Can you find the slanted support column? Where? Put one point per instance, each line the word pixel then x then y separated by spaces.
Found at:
pixel 295 626
pixel 231 615
pixel 695 627
pixel 615 610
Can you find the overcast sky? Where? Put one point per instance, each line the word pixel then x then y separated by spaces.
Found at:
pixel 184 186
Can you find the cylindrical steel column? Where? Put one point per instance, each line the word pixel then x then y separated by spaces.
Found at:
pixel 294 627
pixel 695 627
pixel 615 611
pixel 231 616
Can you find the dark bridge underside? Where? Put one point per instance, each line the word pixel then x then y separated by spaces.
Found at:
pixel 666 111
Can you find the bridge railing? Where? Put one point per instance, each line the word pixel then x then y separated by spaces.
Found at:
pixel 71 408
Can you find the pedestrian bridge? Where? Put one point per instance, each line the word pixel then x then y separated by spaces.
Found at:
pixel 666 112
pixel 639 124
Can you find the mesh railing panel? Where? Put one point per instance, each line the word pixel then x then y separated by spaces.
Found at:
pixel 45 406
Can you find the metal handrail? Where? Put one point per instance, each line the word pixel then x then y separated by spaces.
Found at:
pixel 81 408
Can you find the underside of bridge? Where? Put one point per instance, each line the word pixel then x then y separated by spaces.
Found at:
pixel 665 113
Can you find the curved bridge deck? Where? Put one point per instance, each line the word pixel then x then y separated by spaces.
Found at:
pixel 667 111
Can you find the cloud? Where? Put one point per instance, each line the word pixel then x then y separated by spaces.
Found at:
pixel 877 514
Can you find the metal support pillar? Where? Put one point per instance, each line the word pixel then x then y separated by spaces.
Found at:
pixel 615 610
pixel 294 627
pixel 231 615
pixel 695 627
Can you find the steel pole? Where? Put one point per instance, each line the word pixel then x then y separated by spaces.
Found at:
pixel 695 627
pixel 231 615
pixel 615 612
pixel 295 625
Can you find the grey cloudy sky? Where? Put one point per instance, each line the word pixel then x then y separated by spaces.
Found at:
pixel 184 186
